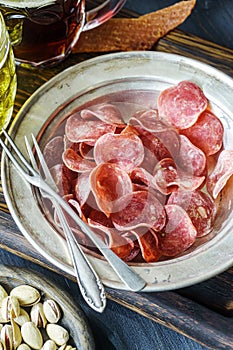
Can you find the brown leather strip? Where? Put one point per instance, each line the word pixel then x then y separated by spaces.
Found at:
pixel 128 34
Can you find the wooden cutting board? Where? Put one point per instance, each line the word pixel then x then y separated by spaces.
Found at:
pixel 202 312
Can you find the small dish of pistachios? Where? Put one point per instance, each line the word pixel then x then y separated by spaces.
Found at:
pixel 36 314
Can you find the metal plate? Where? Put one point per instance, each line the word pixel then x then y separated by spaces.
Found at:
pixel 92 79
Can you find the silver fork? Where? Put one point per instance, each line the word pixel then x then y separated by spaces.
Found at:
pixel 89 283
pixel 125 272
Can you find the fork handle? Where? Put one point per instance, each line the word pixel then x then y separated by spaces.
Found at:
pixel 89 283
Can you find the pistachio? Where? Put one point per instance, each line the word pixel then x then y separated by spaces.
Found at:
pixel 52 311
pixel 24 347
pixel 3 293
pixel 31 335
pixel 10 308
pixel 49 345
pixel 27 295
pixel 17 337
pixel 22 318
pixel 2 320
pixel 7 337
pixel 66 347
pixel 57 333
pixel 38 316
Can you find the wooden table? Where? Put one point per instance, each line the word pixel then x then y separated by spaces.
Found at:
pixel 202 312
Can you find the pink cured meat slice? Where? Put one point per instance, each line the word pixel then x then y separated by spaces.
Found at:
pixel 80 236
pixel 109 183
pixel 53 150
pixel 199 206
pixel 75 146
pixel 149 120
pixel 171 140
pixel 83 211
pixel 221 173
pixel 143 180
pixel 162 198
pixel 150 143
pixel 69 144
pixel 136 249
pixel 82 188
pixel 117 242
pixel 148 243
pixel 108 113
pixel 206 133
pixel 168 178
pixel 126 150
pixel 153 144
pixel 79 130
pixel 191 158
pixel 182 104
pixel 85 150
pixel 142 209
pixel 75 162
pixel 165 176
pixel 178 234
pixel 157 147
pixel 99 217
pixel 63 178
pixel 141 176
pixel 77 206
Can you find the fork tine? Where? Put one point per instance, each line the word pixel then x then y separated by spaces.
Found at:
pixel 30 153
pixel 44 165
pixel 18 152
pixel 13 159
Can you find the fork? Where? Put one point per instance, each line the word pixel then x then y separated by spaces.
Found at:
pixel 130 278
pixel 89 283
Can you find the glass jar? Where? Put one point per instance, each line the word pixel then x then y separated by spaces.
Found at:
pixel 8 82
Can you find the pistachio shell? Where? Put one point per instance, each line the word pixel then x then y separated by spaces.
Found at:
pixel 31 335
pixel 7 336
pixel 10 307
pixel 2 320
pixel 22 318
pixel 52 311
pixel 38 316
pixel 17 337
pixel 3 293
pixel 24 347
pixel 27 295
pixel 66 347
pixel 49 345
pixel 57 333
pixel 1 346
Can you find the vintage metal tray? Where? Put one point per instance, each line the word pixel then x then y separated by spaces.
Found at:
pixel 150 72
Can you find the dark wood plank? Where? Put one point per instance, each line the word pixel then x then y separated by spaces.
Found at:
pixel 181 315
pixel 188 45
pixel 216 293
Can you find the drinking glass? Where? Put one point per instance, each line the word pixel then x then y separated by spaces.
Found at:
pixel 7 76
pixel 43 32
